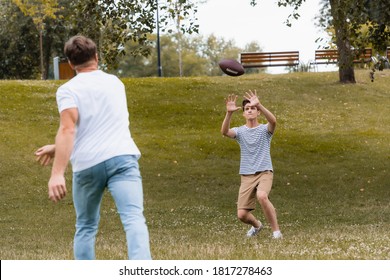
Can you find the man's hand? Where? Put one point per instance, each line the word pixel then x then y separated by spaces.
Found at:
pixel 231 103
pixel 45 154
pixel 252 97
pixel 57 188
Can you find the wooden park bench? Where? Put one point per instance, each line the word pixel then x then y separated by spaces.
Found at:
pixel 388 53
pixel 269 59
pixel 331 56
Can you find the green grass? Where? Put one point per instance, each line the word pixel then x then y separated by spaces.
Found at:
pixel 330 154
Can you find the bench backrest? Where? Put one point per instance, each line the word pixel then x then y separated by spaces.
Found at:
pixel 326 56
pixel 267 59
pixel 331 56
pixel 388 53
pixel 365 56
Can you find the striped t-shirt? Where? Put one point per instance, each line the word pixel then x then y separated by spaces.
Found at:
pixel 255 144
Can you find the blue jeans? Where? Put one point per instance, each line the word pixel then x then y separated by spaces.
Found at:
pixel 122 177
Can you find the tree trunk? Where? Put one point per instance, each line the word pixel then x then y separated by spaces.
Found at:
pixel 346 54
pixel 47 55
pixel 179 39
pixel 41 52
pixel 180 53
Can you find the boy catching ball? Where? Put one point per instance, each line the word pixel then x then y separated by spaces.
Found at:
pixel 255 165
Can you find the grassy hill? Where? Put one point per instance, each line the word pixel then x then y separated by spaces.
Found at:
pixel 330 154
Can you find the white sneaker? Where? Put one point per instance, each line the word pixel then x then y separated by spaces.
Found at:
pixel 254 231
pixel 277 235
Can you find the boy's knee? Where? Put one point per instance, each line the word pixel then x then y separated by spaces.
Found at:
pixel 262 197
pixel 242 215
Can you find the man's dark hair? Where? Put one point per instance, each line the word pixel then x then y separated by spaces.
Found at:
pixel 79 50
pixel 244 102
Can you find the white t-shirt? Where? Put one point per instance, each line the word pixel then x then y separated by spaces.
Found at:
pixel 255 144
pixel 103 125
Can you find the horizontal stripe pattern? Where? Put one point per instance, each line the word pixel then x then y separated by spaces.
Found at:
pixel 255 145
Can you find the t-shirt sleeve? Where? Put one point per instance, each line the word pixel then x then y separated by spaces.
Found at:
pixel 269 134
pixel 236 130
pixel 65 100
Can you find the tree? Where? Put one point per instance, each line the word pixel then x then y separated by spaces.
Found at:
pixel 39 11
pixel 57 29
pixel 18 46
pixel 145 66
pixel 111 23
pixel 117 22
pixel 215 49
pixel 346 17
pixel 177 11
pixel 379 13
pixel 200 57
pixel 253 47
pixel 194 63
pixel 341 23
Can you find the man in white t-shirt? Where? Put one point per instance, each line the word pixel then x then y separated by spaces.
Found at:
pixel 94 135
pixel 255 165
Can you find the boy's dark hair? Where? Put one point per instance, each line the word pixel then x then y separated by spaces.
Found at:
pixel 244 102
pixel 79 50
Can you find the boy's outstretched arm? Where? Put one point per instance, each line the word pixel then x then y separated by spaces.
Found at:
pixel 252 97
pixel 231 107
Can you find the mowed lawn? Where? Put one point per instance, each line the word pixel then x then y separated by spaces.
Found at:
pixel 330 154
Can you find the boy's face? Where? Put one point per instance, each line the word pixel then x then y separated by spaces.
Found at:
pixel 250 112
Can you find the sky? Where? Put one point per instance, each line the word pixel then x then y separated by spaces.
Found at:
pixel 239 21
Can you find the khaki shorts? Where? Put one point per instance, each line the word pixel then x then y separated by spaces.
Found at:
pixel 250 185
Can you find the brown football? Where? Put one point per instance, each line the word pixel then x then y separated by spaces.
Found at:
pixel 231 67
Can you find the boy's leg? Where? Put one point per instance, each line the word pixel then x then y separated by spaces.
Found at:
pixel 125 186
pixel 247 217
pixel 263 190
pixel 247 202
pixel 268 210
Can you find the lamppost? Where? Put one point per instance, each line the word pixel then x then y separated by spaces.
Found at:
pixel 159 67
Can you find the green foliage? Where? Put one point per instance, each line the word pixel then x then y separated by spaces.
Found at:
pixel 253 47
pixel 295 4
pixel 110 23
pixel 200 56
pixel 368 22
pixel 18 44
pixel 117 22
pixel 376 15
pixel 346 18
pixel 38 10
pixel 330 154
pixel 179 13
pixel 17 29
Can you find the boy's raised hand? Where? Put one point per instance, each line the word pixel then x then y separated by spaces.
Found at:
pixel 252 97
pixel 231 103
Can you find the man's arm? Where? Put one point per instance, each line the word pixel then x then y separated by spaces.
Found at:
pixel 252 97
pixel 230 109
pixel 63 150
